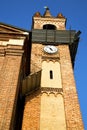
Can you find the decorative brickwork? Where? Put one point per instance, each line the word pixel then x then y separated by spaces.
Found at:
pixel 50 90
pixel 58 22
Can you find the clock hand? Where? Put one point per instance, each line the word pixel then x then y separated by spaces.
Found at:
pixel 51 49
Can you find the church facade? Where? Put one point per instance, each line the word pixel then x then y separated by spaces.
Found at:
pixel 37 85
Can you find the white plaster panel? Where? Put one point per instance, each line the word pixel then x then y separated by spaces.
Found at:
pixel 45 78
pixel 52 112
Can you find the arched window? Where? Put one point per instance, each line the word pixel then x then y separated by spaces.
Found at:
pixel 49 27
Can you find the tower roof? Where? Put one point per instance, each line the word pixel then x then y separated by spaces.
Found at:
pixel 47 13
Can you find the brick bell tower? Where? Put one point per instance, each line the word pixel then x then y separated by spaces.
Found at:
pixel 51 100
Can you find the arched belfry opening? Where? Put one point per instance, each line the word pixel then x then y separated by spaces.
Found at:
pixel 49 27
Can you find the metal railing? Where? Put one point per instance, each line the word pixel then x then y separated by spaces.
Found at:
pixel 53 36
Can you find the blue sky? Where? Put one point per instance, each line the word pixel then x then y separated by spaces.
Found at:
pixel 19 13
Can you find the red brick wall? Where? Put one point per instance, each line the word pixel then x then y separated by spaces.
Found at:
pixel 72 109
pixel 31 119
pixel 9 88
pixel 1 61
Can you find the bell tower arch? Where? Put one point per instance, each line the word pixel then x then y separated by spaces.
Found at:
pixel 49 26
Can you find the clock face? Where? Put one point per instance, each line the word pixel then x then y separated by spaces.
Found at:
pixel 50 49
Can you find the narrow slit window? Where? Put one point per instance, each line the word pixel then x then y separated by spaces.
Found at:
pixel 51 74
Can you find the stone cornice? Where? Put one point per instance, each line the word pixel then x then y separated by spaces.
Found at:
pixel 12 50
pixel 49 90
pixel 53 59
pixel 10 28
pixel 15 52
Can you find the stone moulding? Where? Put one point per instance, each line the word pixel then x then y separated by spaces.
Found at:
pixel 54 91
